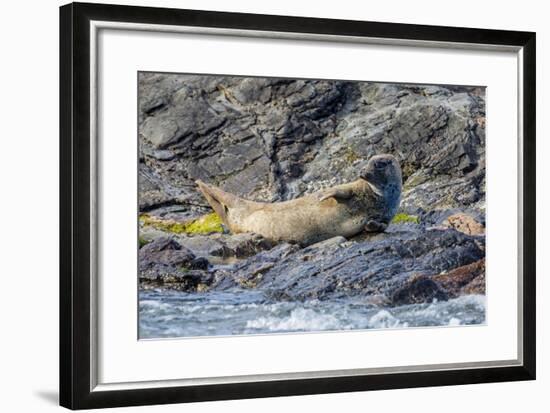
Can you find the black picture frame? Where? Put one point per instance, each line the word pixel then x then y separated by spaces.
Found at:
pixel 75 219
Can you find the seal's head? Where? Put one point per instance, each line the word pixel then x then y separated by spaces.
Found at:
pixel 382 171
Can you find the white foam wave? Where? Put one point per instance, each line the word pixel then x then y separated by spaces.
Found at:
pixel 384 319
pixel 183 315
pixel 299 319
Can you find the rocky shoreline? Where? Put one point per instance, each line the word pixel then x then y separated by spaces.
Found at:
pixel 277 139
pixel 409 263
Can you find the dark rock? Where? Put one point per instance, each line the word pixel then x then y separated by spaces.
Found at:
pixel 164 250
pixel 166 257
pixel 418 290
pixel 164 263
pixel 189 281
pixel 378 265
pixel 249 272
pixel 476 286
pixel 199 263
pixel 467 279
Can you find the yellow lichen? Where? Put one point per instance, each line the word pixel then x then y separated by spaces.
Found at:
pixel 202 225
pixel 350 156
pixel 404 218
pixel 205 224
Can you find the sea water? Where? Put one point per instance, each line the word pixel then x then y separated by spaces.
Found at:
pixel 164 314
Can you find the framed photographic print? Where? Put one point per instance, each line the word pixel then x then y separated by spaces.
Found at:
pixel 256 206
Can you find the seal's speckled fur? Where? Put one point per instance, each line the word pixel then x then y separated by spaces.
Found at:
pixel 369 203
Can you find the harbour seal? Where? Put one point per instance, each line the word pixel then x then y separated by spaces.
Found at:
pixel 368 203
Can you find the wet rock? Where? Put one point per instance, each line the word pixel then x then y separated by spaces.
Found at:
pixel 189 281
pixel 199 263
pixel 371 267
pixel 476 286
pixel 467 279
pixel 418 290
pixel 249 272
pixel 164 257
pixel 165 251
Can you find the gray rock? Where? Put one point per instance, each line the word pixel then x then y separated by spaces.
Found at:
pixel 189 281
pixel 418 290
pixel 165 257
pixel 276 139
pixel 377 266
pixel 218 247
pixel 408 264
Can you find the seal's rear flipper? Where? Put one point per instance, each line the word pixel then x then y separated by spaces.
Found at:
pixel 219 200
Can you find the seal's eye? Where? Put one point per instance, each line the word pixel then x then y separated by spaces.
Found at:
pixel 380 165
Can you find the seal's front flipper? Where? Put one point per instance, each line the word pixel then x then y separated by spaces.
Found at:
pixel 334 193
pixel 375 226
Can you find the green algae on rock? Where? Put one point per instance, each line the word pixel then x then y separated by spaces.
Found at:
pixel 142 241
pixel 205 224
pixel 402 218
